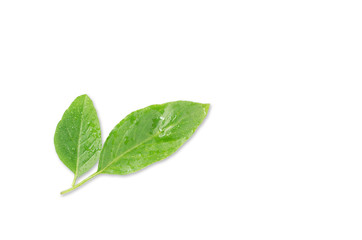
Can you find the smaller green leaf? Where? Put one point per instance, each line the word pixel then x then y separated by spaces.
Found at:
pixel 77 137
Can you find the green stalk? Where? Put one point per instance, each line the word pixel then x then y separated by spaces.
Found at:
pixel 74 179
pixel 80 184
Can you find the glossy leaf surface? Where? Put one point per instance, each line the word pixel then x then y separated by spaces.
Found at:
pixel 77 137
pixel 149 135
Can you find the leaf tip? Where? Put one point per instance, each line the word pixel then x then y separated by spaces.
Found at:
pixel 83 96
pixel 206 107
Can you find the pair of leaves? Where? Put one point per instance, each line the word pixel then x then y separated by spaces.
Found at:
pixel 142 138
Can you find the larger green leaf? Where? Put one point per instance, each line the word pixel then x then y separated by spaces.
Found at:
pixel 77 138
pixel 149 135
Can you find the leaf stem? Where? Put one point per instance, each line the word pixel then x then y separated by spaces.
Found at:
pixel 80 184
pixel 74 179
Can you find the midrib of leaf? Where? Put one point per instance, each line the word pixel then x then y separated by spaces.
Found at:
pixel 129 150
pixel 136 146
pixel 78 150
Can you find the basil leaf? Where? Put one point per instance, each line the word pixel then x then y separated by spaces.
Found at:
pixel 150 135
pixel 77 137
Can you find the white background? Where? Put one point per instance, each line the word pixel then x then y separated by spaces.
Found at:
pixel 278 157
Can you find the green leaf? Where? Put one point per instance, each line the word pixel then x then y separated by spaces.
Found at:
pixel 150 135
pixel 77 138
